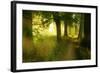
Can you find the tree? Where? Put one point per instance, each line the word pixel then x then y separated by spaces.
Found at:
pixel 56 18
pixel 81 29
pixel 41 21
pixel 86 41
pixel 27 23
pixel 46 18
pixel 65 27
pixel 87 30
pixel 67 18
pixel 27 41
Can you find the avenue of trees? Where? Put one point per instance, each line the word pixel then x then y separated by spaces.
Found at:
pixel 68 18
pixel 36 21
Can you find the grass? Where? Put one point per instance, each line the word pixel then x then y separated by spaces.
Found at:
pixel 48 49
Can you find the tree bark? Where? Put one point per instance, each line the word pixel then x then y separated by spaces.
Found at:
pixel 86 41
pixel 87 25
pixel 87 30
pixel 65 27
pixel 58 26
pixel 81 29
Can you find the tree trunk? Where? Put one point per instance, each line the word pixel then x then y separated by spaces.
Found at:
pixel 86 41
pixel 27 40
pixel 81 29
pixel 87 29
pixel 27 24
pixel 58 26
pixel 87 25
pixel 65 27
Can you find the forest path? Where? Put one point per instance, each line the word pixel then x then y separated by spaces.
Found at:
pixel 70 54
pixel 69 50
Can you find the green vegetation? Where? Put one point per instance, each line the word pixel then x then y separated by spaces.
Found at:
pixel 55 36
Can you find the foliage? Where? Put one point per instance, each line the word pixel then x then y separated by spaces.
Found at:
pixel 43 45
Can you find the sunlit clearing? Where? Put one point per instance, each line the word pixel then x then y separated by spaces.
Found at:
pixel 72 31
pixel 52 29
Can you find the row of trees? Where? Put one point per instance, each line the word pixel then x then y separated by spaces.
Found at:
pixel 44 19
pixel 81 19
pixel 47 18
pixel 68 18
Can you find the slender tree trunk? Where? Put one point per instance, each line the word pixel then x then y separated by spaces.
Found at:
pixel 65 27
pixel 87 24
pixel 81 29
pixel 87 30
pixel 58 30
pixel 58 26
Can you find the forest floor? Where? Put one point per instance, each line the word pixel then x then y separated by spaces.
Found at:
pixel 49 49
pixel 67 50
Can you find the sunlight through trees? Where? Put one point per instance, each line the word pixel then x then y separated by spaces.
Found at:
pixel 50 36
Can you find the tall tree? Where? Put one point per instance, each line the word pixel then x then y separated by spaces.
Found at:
pixel 27 41
pixel 81 29
pixel 86 42
pixel 68 20
pixel 27 23
pixel 87 29
pixel 65 27
pixel 56 17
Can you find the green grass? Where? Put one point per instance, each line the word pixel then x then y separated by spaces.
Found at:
pixel 47 48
